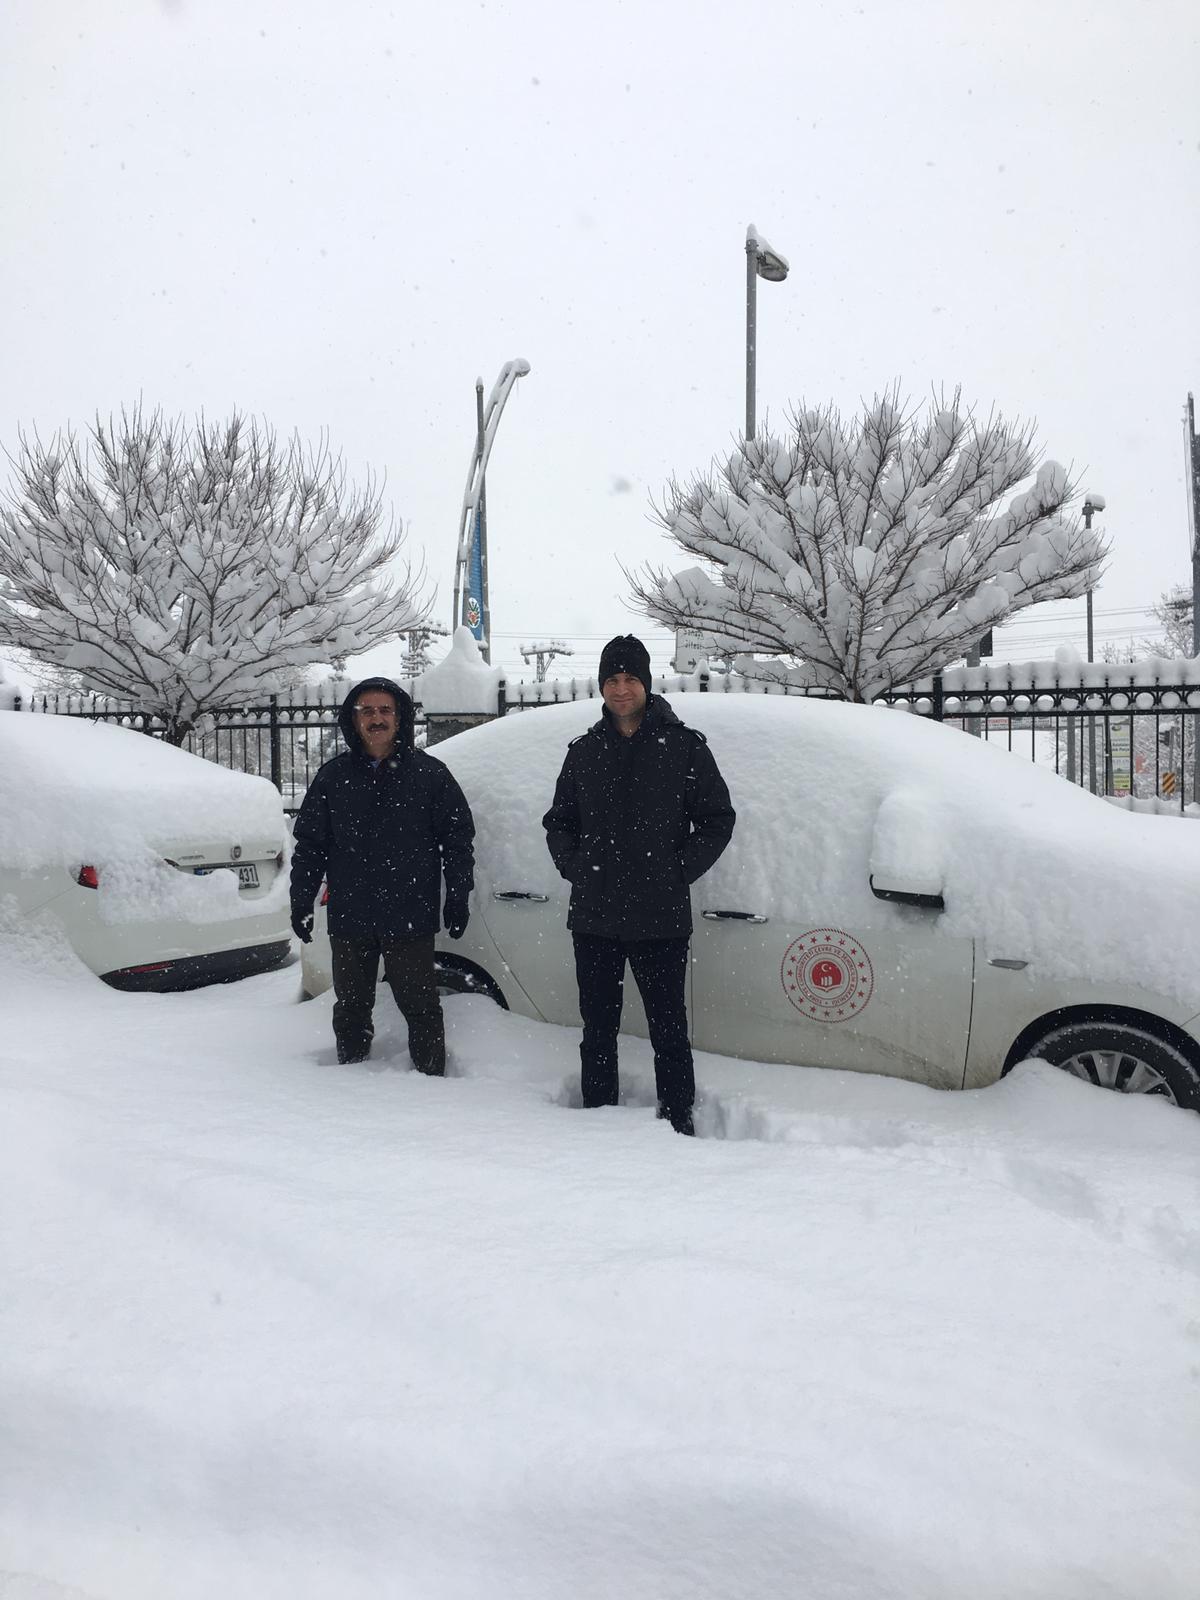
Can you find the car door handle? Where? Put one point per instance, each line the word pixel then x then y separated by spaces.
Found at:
pixel 734 916
pixel 520 894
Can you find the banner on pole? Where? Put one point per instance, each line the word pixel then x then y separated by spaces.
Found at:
pixel 473 601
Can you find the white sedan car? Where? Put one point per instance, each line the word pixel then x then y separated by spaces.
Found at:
pixel 898 898
pixel 162 871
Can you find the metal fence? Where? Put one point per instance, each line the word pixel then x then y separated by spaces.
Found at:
pixel 284 739
pixel 1125 730
pixel 1129 731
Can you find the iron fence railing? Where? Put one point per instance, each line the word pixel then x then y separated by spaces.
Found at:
pixel 1126 730
pixel 1130 731
pixel 284 739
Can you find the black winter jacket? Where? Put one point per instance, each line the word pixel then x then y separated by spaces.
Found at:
pixel 634 822
pixel 382 837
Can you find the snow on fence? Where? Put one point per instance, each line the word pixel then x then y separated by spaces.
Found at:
pixel 285 738
pixel 1154 806
pixel 1127 730
pixel 560 691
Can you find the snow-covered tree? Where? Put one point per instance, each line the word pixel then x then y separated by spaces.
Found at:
pixel 1173 612
pixel 861 555
pixel 193 568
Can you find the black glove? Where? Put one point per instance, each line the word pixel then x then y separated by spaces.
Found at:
pixel 457 917
pixel 302 922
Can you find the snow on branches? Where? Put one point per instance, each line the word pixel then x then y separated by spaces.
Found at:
pixel 191 569
pixel 861 555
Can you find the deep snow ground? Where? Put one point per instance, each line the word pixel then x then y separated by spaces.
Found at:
pixel 273 1327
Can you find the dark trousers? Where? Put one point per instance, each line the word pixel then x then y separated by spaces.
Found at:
pixel 660 971
pixel 408 968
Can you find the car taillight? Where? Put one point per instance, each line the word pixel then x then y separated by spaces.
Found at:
pixel 279 861
pixel 324 894
pixel 88 878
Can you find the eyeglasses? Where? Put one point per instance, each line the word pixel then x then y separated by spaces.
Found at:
pixel 374 711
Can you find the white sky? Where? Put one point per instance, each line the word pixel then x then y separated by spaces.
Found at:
pixel 336 217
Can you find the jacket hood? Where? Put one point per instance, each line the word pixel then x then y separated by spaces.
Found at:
pixel 405 719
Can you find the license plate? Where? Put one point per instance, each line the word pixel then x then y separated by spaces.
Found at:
pixel 247 873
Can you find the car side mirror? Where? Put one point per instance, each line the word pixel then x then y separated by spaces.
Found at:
pixel 907 863
pixel 907 897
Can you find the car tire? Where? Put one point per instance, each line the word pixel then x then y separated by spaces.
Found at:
pixel 1121 1056
pixel 466 978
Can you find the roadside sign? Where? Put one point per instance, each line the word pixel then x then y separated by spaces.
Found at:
pixel 1168 783
pixel 1118 748
pixel 690 649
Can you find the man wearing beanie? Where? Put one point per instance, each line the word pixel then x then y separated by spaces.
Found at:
pixel 640 812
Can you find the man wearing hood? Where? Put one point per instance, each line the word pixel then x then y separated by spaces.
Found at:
pixel 382 824
pixel 640 812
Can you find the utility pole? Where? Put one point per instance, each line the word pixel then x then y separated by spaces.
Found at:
pixel 1091 504
pixel 543 652
pixel 1192 480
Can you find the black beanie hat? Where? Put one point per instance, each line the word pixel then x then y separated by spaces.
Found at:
pixel 625 654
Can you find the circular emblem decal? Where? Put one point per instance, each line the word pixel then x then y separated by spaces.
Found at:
pixel 827 975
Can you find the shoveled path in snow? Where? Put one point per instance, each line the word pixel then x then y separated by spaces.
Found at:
pixel 274 1327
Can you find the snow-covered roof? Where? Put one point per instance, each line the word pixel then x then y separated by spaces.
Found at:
pixel 73 791
pixel 462 680
pixel 828 793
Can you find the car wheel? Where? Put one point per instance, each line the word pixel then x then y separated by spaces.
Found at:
pixel 1121 1056
pixel 453 978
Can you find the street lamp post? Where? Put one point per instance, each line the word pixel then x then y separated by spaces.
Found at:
pixel 481 525
pixel 1091 504
pixel 472 601
pixel 1192 479
pixel 761 262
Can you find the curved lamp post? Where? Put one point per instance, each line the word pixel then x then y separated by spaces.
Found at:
pixel 472 607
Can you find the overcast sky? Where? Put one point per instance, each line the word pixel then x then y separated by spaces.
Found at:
pixel 337 216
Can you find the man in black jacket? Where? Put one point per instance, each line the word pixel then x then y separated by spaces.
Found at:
pixel 640 812
pixel 382 823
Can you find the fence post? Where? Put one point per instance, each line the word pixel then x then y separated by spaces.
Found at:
pixel 276 750
pixel 704 681
pixel 938 699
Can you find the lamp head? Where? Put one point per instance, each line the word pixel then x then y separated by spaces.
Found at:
pixel 768 263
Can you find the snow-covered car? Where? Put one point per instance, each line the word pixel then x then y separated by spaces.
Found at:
pixel 163 870
pixel 898 898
